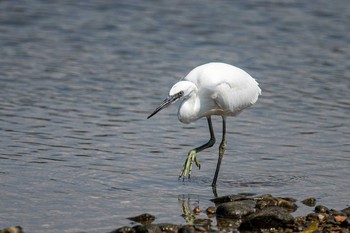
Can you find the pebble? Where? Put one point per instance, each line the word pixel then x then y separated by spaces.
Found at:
pixel 340 218
pixel 211 210
pixel 197 210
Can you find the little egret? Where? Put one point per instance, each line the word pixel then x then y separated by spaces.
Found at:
pixel 211 89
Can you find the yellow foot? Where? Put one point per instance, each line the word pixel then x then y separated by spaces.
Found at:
pixel 187 168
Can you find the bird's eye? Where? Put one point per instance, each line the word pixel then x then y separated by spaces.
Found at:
pixel 181 93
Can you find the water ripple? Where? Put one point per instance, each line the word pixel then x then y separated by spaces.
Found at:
pixel 78 80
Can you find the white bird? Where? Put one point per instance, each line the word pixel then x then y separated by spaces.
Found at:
pixel 211 89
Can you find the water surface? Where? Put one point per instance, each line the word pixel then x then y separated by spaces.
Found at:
pixel 78 79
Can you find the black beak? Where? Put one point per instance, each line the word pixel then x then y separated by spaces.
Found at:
pixel 171 99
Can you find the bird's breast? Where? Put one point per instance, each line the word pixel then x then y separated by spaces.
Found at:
pixel 189 110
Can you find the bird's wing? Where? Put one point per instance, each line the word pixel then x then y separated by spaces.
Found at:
pixel 234 97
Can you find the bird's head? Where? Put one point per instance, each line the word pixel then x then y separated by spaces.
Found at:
pixel 182 89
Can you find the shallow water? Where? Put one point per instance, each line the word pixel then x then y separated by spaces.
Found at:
pixel 78 80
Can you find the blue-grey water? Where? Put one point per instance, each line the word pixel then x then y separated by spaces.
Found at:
pixel 79 78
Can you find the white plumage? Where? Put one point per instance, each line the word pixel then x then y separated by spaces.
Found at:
pixel 215 89
pixel 211 89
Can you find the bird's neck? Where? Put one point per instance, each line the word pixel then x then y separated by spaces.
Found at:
pixel 189 109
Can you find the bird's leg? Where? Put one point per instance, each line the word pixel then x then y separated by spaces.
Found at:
pixel 191 157
pixel 222 149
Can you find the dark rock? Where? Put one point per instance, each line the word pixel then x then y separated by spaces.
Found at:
pixel 346 211
pixel 187 229
pixel 236 209
pixel 124 229
pixel 331 222
pixel 276 201
pixel 205 222
pixel 336 212
pixel 168 227
pixel 227 224
pixel 309 201
pixel 229 198
pixel 321 209
pixel 345 223
pixel 291 199
pixel 262 197
pixel 143 218
pixel 211 210
pixel 269 217
pixel 199 229
pixel 149 228
pixel 312 217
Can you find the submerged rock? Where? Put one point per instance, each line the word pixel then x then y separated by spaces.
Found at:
pixel 230 198
pixel 124 229
pixel 143 218
pixel 321 209
pixel 309 201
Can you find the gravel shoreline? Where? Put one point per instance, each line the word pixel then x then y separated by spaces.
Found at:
pixel 244 213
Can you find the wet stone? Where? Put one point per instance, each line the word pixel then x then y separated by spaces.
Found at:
pixel 340 218
pixel 168 227
pixel 321 209
pixel 187 229
pixel 236 209
pixel 227 224
pixel 269 217
pixel 149 228
pixel 263 213
pixel 277 201
pixel 291 199
pixel 124 229
pixel 336 212
pixel 200 229
pixel 309 201
pixel 346 223
pixel 202 222
pixel 211 210
pixel 262 197
pixel 346 211
pixel 229 198
pixel 197 210
pixel 143 218
pixel 312 217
